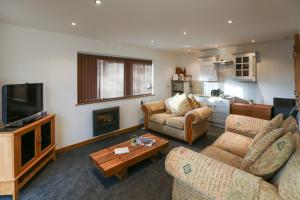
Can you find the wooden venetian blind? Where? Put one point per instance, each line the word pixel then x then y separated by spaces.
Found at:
pixel 86 78
pixel 89 75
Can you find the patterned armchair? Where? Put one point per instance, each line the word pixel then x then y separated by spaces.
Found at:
pixel 216 173
pixel 187 128
pixel 199 177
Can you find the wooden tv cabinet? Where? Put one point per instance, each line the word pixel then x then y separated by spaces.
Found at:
pixel 24 152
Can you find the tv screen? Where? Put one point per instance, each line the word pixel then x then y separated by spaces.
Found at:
pixel 21 101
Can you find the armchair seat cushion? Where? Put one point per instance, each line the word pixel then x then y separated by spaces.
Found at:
pixel 176 122
pixel 233 143
pixel 222 156
pixel 160 117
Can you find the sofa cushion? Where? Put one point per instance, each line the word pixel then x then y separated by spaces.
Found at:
pixel 233 143
pixel 223 156
pixel 258 148
pixel 168 103
pixel 178 105
pixel 267 191
pixel 289 124
pixel 176 122
pixel 273 124
pixel 287 168
pixel 194 103
pixel 160 118
pixel 183 108
pixel 289 178
pixel 289 185
pixel 274 157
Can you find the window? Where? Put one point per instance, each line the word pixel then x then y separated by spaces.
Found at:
pixel 142 79
pixel 105 78
pixel 111 79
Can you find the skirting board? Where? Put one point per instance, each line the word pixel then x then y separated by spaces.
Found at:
pixel 98 138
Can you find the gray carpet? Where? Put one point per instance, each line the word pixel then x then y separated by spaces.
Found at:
pixel 72 176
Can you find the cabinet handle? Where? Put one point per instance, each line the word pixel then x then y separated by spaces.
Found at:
pixel 253 66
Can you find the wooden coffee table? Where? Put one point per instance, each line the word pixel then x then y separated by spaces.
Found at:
pixel 111 164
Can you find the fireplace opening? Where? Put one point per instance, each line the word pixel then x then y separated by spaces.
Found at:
pixel 105 120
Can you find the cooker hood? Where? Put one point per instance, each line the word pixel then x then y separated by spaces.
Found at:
pixel 223 62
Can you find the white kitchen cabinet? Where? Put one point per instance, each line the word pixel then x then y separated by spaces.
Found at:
pixel 208 69
pixel 245 67
pixel 221 109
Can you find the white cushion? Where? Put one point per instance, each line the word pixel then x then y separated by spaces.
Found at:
pixel 178 105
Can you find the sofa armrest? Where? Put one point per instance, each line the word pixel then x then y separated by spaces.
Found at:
pixel 199 114
pixel 211 179
pixel 247 126
pixel 152 108
pixel 196 123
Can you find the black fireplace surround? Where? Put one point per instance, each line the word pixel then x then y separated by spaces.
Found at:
pixel 105 120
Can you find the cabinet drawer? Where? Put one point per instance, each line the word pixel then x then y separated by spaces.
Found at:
pixel 219 118
pixel 221 106
pixel 261 113
pixel 241 111
pixel 257 110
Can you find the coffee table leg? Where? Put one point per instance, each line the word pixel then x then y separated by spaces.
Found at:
pixel 123 174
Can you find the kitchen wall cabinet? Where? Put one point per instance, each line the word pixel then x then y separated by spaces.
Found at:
pixel 208 69
pixel 245 67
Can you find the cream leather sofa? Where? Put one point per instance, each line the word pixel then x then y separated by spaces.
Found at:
pixel 187 128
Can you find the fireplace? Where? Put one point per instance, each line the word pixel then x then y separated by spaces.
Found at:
pixel 105 120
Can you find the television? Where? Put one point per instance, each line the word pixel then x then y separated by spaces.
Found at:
pixel 21 101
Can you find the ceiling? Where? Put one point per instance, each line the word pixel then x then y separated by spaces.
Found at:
pixel 137 22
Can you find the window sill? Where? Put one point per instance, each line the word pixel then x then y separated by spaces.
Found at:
pixel 114 99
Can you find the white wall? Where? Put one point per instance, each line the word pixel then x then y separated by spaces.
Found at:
pixel 275 70
pixel 28 55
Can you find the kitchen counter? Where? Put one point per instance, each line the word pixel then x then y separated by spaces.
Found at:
pixel 228 97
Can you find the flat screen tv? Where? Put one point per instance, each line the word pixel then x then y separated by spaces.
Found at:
pixel 21 101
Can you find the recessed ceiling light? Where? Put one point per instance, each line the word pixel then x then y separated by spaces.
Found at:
pixel 252 41
pixel 73 24
pixel 184 33
pixel 98 2
pixel 187 46
pixel 229 21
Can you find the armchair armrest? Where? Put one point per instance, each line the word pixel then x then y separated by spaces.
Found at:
pixel 152 108
pixel 247 126
pixel 211 179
